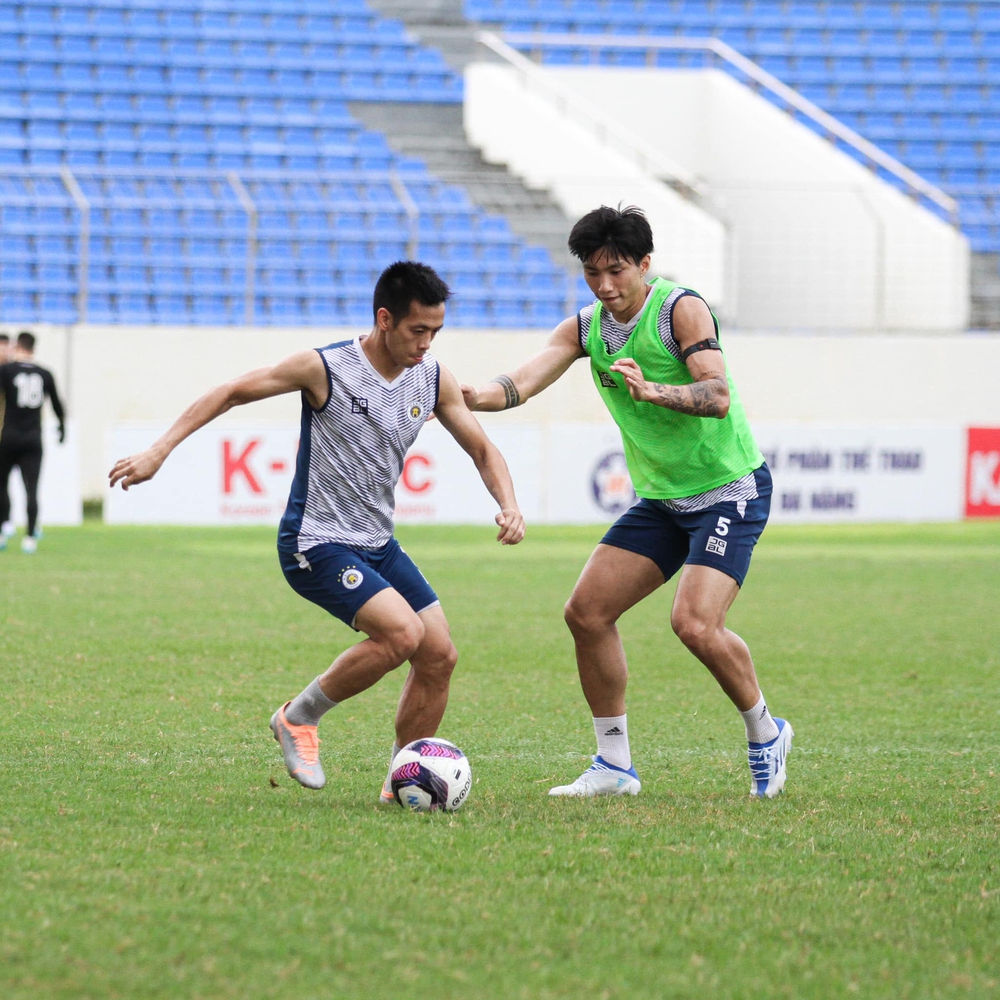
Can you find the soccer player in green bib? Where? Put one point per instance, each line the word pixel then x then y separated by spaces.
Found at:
pixel 703 488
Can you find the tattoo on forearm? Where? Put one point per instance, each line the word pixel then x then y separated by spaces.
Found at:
pixel 699 399
pixel 511 396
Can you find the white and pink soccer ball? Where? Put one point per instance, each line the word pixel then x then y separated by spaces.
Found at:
pixel 431 774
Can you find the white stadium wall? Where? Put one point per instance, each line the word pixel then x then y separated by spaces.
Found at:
pixel 856 427
pixel 521 128
pixel 813 240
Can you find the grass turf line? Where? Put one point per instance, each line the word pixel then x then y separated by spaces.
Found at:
pixel 152 845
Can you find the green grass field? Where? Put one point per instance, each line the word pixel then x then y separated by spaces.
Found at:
pixel 152 845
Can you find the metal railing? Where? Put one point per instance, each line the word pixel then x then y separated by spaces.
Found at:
pixel 251 209
pixel 93 189
pixel 507 48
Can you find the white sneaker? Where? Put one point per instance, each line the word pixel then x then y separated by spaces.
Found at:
pixel 8 529
pixel 767 762
pixel 601 778
pixel 29 544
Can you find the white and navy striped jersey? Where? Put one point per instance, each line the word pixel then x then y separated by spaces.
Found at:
pixel 351 451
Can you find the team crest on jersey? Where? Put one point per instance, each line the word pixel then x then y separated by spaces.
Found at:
pixel 416 411
pixel 351 577
pixel 359 405
pixel 607 382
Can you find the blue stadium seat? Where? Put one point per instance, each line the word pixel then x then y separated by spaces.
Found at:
pixel 18 306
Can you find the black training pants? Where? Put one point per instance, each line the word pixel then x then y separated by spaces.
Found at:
pixel 26 454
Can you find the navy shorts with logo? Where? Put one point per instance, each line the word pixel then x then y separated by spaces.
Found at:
pixel 342 580
pixel 721 536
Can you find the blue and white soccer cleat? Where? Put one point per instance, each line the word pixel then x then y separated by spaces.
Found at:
pixel 767 762
pixel 601 778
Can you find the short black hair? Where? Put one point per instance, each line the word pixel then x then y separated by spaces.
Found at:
pixel 402 283
pixel 26 341
pixel 623 233
pixel 5 338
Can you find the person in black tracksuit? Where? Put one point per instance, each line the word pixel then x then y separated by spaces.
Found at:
pixel 24 386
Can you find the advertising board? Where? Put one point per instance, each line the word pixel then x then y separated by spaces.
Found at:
pixel 574 473
pixel 982 483
pixel 59 500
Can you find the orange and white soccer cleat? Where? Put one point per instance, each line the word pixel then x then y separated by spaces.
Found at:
pixel 300 746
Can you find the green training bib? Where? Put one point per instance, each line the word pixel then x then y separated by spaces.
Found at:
pixel 669 454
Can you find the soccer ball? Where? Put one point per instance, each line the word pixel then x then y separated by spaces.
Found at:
pixel 431 774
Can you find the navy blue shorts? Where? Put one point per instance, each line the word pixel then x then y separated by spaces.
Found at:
pixel 342 580
pixel 721 536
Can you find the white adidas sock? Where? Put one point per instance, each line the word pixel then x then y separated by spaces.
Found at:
pixel 761 728
pixel 612 741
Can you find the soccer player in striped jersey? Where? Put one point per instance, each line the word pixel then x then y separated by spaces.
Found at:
pixel 363 404
pixel 704 489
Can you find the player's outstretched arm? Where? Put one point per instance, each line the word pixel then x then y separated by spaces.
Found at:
pixel 536 374
pixel 303 372
pixel 466 430
pixel 708 394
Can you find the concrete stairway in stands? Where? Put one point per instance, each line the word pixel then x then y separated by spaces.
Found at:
pixel 434 134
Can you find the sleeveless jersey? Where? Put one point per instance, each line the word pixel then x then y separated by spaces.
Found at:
pixel 670 455
pixel 351 451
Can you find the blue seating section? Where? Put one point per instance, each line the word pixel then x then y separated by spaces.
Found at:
pixel 175 246
pixel 920 79
pixel 175 118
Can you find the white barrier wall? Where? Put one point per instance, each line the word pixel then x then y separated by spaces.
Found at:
pixel 519 127
pixel 59 498
pixel 112 376
pixel 814 240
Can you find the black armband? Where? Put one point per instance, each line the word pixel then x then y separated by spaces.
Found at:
pixel 703 345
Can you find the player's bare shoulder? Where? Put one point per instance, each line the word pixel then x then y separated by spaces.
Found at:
pixel 692 320
pixel 304 370
pixel 566 336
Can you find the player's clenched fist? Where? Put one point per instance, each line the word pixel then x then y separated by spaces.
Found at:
pixel 511 523
pixel 471 396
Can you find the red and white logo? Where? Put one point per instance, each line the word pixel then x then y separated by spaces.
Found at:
pixel 982 478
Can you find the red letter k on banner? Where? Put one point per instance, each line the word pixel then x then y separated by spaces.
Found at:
pixel 238 465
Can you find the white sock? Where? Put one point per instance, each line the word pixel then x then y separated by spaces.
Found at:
pixel 612 741
pixel 309 707
pixel 761 728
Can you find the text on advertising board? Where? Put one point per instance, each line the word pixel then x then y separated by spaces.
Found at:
pixel 982 496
